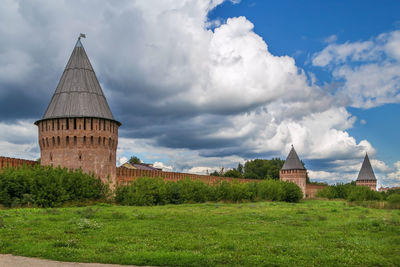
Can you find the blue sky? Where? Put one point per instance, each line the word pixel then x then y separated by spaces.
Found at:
pixel 300 29
pixel 200 84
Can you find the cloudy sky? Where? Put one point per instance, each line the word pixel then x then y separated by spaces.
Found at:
pixel 199 85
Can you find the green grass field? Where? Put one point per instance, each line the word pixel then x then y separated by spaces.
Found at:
pixel 311 233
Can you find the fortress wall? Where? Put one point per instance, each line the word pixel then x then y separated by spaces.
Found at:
pixel 125 175
pixel 312 189
pixel 15 163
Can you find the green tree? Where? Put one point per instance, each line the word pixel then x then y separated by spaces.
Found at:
pixel 214 173
pixel 240 168
pixel 263 168
pixel 134 160
pixel 233 173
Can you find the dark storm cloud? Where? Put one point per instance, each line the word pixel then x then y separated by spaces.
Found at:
pixel 168 79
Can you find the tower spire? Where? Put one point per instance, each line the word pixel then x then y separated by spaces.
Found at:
pixel 78 93
pixel 292 161
pixel 366 172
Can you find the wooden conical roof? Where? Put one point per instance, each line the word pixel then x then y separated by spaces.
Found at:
pixel 292 161
pixel 366 172
pixel 78 93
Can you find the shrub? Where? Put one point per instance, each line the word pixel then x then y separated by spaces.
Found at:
pixel 155 191
pixel 271 190
pixel 363 193
pixel 47 187
pixel 194 191
pixel 293 193
pixel 394 199
pixel 142 192
pixel 336 191
pixel 173 193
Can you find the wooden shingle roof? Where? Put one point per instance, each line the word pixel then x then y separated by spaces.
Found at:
pixel 78 93
pixel 366 172
pixel 292 161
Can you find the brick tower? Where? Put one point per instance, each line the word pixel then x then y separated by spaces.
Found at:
pixel 78 129
pixel 294 171
pixel 366 176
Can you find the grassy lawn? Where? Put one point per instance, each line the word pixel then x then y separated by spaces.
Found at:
pixel 311 233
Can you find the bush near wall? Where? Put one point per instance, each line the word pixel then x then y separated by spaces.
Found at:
pixel 44 186
pixel 340 191
pixel 156 191
pixel 352 192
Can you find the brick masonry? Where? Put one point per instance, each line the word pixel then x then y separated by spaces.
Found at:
pixel 15 163
pixel 125 175
pixel 89 144
pixel 312 189
pixel 295 176
pixel 371 184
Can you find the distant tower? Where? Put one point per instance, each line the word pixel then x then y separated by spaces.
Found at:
pixel 366 176
pixel 294 171
pixel 78 129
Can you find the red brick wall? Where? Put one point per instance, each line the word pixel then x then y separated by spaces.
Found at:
pixel 86 143
pixel 12 162
pixel 371 184
pixel 295 176
pixel 312 189
pixel 125 175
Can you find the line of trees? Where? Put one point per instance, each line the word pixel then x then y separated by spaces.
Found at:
pixel 254 169
pixel 258 169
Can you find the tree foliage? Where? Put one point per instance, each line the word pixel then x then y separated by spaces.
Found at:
pixel 156 191
pixel 134 160
pixel 47 187
pixel 254 169
pixel 263 168
pixel 233 173
pixel 350 192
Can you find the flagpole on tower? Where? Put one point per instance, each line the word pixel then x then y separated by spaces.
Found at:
pixel 82 35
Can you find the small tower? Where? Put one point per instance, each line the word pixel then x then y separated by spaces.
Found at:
pixel 78 129
pixel 366 176
pixel 294 171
